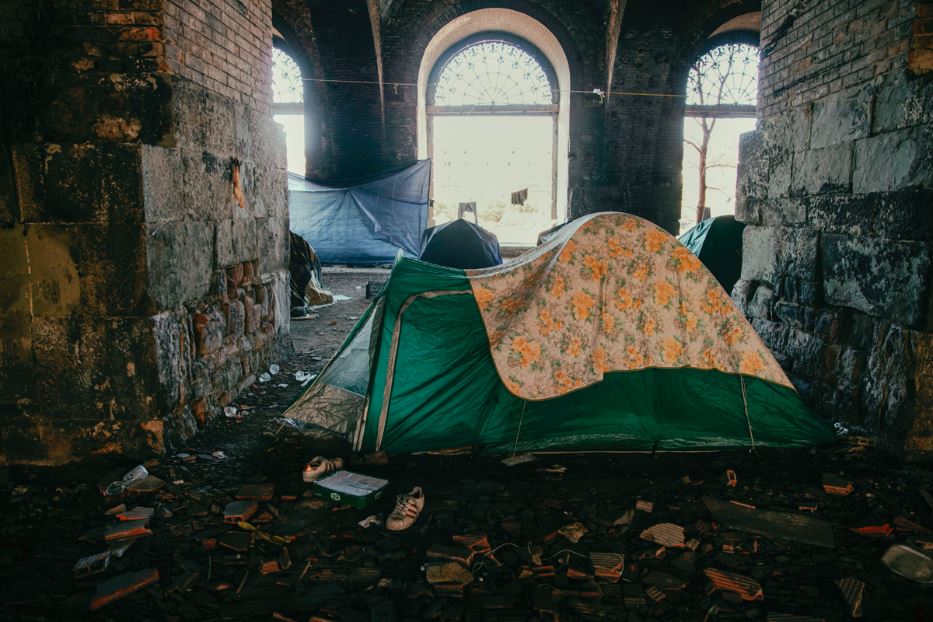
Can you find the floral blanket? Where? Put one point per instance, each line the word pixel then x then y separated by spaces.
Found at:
pixel 611 292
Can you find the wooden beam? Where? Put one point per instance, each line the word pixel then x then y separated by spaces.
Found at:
pixel 613 29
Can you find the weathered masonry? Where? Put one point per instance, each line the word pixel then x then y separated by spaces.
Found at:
pixel 144 208
pixel 143 222
pixel 836 184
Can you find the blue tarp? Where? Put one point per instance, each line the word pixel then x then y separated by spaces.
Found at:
pixel 365 222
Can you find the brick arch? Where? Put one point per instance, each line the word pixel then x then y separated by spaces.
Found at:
pixel 417 23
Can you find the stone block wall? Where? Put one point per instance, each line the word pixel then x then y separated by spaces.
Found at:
pixel 836 185
pixel 141 289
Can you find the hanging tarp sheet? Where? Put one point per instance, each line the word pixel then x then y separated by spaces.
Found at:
pixel 365 222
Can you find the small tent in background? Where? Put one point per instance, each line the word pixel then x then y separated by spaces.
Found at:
pixel 717 242
pixel 610 336
pixel 460 244
pixel 366 221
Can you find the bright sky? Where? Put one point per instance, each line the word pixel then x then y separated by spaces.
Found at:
pixel 487 158
pixel 720 178
pixel 294 125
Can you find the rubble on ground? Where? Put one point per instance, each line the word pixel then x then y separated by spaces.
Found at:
pixel 791 535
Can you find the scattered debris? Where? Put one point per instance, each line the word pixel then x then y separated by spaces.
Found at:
pixel 126 529
pixel 608 566
pixel 853 591
pixel 626 519
pixel 137 513
pixel 573 532
pixel 372 520
pixel 92 564
pixel 883 530
pixel 450 573
pixel 518 459
pixel 772 523
pixel 257 492
pixel 122 585
pixel 731 480
pixel 239 511
pixel 666 534
pixel 644 506
pixel 909 563
pixel 835 485
pixel 745 587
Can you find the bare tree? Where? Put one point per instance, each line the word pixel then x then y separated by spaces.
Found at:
pixel 711 82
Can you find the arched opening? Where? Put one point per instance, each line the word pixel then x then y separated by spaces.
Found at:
pixel 722 95
pixel 288 107
pixel 493 116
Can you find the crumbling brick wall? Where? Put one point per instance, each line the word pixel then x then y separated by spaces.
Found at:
pixel 137 294
pixel 836 187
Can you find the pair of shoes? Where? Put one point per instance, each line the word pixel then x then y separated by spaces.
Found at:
pixel 407 509
pixel 319 467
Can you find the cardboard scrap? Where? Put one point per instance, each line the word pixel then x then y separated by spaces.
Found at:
pixel 608 566
pixel 746 587
pixel 665 534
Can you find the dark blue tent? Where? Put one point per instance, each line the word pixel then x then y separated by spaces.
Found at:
pixel 460 244
pixel 364 222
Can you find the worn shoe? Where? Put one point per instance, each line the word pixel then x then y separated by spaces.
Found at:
pixel 319 467
pixel 407 509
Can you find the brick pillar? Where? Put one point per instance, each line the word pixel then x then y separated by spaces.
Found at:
pixel 120 225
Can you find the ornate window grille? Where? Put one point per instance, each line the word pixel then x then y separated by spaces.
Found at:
pixel 493 73
pixel 287 87
pixel 724 82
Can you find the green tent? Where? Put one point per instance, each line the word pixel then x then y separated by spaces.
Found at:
pixel 718 244
pixel 507 359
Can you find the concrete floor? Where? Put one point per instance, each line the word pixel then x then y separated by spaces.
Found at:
pixel 326 326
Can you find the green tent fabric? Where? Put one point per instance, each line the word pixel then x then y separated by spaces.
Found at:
pixel 717 242
pixel 417 374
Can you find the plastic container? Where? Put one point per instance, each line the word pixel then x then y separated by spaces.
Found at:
pixel 354 489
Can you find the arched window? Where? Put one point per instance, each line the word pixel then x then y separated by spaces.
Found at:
pixel 492 113
pixel 722 93
pixel 288 107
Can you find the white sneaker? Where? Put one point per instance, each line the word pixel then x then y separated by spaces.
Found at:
pixel 407 509
pixel 319 467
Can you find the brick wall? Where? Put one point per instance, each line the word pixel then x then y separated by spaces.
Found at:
pixel 137 294
pixel 222 45
pixel 836 187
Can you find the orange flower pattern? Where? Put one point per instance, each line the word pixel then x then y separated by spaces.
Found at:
pixel 611 292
